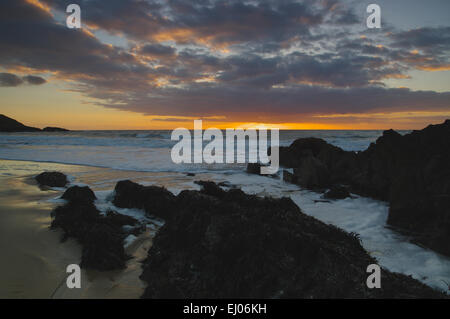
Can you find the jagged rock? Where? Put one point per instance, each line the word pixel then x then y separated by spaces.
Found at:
pixel 103 247
pixel 226 184
pixel 302 148
pixel 101 237
pixel 101 240
pixel 312 173
pixel 254 168
pixel 156 201
pixel 119 219
pixel 210 188
pixel 318 163
pixel 337 192
pixel 79 194
pixel 289 177
pixel 241 246
pixel 52 179
pixel 412 172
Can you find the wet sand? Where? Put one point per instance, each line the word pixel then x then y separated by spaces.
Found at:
pixel 34 261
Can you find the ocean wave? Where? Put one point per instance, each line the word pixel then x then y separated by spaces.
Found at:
pixel 140 150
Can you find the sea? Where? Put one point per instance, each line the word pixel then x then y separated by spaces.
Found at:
pixel 147 151
pixel 146 156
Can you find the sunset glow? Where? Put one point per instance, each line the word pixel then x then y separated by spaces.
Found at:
pixel 291 67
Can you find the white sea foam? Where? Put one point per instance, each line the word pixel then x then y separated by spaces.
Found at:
pixel 129 240
pixel 366 217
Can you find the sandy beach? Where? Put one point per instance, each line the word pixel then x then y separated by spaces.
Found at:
pixel 34 260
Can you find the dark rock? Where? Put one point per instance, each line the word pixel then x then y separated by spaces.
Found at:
pixel 289 177
pixel 101 239
pixel 312 173
pixel 103 248
pixel 318 163
pixel 226 184
pixel 302 148
pixel 254 168
pixel 210 188
pixel 119 219
pixel 190 174
pixel 337 192
pixel 241 246
pixel 52 179
pixel 156 201
pixel 8 124
pixel 79 194
pixel 412 172
pixel 54 129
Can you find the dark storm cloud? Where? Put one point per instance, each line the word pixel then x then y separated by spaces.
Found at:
pixel 206 58
pixel 41 43
pixel 157 50
pixel 422 48
pixel 214 22
pixel 434 39
pixel 11 80
pixel 34 80
pixel 431 46
pixel 237 102
pixel 236 21
pixel 345 71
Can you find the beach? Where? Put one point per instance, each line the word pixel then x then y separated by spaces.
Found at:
pixel 222 150
pixel 35 259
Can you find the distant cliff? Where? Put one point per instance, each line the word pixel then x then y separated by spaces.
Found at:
pixel 8 124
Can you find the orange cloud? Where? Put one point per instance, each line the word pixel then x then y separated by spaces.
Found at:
pixel 432 68
pixel 40 5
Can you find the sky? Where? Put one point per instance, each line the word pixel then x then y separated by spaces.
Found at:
pixel 290 64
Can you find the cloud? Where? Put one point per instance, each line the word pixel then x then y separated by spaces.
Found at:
pixel 34 80
pixel 157 50
pixel 421 48
pixel 283 104
pixel 430 39
pixel 9 79
pixel 12 80
pixel 235 59
pixel 213 22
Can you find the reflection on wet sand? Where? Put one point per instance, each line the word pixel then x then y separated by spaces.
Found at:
pixel 34 260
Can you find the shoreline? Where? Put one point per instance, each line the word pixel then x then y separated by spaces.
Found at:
pixel 102 181
pixel 34 259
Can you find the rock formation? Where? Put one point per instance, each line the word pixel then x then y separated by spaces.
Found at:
pixel 412 172
pixel 218 244
pixel 52 179
pixel 227 244
pixel 102 237
pixel 156 201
